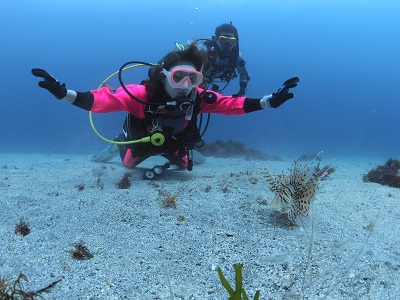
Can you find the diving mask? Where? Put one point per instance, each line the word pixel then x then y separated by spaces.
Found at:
pixel 224 41
pixel 183 76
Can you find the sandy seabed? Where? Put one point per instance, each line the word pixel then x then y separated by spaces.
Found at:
pixel 348 248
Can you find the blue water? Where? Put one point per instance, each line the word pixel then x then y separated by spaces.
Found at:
pixel 346 54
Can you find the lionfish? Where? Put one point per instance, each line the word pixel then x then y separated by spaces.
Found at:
pixel 295 192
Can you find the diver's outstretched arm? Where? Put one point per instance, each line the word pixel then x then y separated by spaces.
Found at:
pixel 83 100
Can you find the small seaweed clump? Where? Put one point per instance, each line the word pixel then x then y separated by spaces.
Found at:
pixel 387 175
pixel 81 252
pixel 295 192
pixel 125 182
pixel 13 289
pixel 168 200
pixel 22 228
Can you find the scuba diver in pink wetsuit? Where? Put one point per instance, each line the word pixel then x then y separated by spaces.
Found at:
pixel 162 110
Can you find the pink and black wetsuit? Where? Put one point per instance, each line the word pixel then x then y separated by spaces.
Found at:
pixel 179 132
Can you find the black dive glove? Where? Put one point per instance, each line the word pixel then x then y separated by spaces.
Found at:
pixel 282 95
pixel 50 83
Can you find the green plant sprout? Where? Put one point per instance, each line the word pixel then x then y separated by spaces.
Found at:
pixel 239 292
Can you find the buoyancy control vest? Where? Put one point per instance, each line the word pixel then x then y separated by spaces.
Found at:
pixel 180 134
pixel 223 71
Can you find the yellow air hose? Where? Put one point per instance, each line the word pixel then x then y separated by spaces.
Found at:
pixel 142 140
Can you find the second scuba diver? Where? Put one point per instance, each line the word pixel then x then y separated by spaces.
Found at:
pixel 163 109
pixel 225 61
